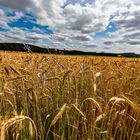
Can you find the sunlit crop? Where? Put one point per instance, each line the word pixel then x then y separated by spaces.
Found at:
pixel 57 97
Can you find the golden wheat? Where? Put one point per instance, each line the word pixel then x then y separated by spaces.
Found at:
pixel 60 97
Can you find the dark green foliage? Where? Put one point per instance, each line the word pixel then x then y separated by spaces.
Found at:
pixel 36 49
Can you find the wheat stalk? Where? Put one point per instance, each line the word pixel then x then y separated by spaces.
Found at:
pixel 59 115
pixel 13 121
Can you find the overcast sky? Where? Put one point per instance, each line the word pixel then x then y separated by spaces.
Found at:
pixel 87 25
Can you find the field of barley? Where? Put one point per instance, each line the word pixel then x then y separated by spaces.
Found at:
pixel 57 97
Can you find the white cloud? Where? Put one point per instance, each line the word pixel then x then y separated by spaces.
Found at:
pixel 128 22
pixel 46 11
pixel 3 20
pixel 25 36
pixel 86 18
pixel 137 2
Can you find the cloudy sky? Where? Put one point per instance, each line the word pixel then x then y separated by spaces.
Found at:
pixel 87 25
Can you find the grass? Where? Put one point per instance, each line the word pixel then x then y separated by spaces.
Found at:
pixel 56 97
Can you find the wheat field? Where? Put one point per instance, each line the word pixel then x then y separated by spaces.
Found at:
pixel 58 97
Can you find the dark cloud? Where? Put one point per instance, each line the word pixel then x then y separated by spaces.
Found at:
pixel 16 4
pixel 91 46
pixel 132 35
pixel 108 43
pixel 106 48
pixel 134 42
pixel 82 38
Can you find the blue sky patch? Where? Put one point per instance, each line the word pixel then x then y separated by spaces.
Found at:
pixel 110 28
pixel 29 22
pixel 3 30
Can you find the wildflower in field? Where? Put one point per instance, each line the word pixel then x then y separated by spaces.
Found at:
pixel 26 47
pixel 28 60
pixel 81 122
pixel 42 72
pixel 42 80
pixel 49 97
pixel 41 76
pixel 68 77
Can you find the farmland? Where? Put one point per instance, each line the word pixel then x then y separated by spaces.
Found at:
pixel 58 97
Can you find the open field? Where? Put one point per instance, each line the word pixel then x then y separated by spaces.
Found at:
pixel 56 97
